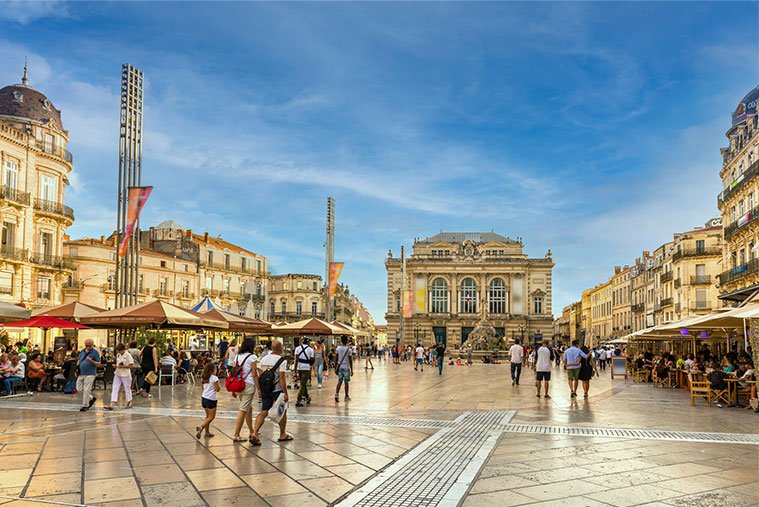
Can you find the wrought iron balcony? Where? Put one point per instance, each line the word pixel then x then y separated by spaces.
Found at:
pixel 14 195
pixel 666 302
pixel 700 305
pixel 638 307
pixel 741 180
pixel 55 150
pixel 50 260
pixel 709 251
pixel 743 221
pixel 678 283
pixel 186 295
pixel 10 253
pixel 73 285
pixel 666 277
pixel 700 280
pixel 163 293
pixel 54 208
pixel 739 272
pixel 300 316
pixel 108 287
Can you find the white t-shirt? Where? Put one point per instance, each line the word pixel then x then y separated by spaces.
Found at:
pixel 248 359
pixel 267 362
pixel 209 389
pixel 420 352
pixel 303 352
pixel 124 359
pixel 343 354
pixel 516 353
pixel 602 355
pixel 232 354
pixel 544 359
pixel 688 364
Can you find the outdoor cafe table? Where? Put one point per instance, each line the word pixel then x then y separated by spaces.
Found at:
pixel 732 389
pixel 51 372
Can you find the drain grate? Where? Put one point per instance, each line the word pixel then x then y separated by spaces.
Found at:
pixel 679 436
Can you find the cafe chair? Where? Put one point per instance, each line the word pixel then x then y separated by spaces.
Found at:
pixel 167 370
pixel 640 375
pixel 24 384
pixel 700 389
pixel 104 376
pixel 722 395
pixel 662 381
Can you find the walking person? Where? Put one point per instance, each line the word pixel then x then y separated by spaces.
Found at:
pixel 148 362
pixel 319 361
pixel 304 356
pixel 209 398
pixel 245 361
pixel 368 364
pixel 344 368
pixel 543 359
pixel 419 357
pixel 440 353
pixel 122 376
pixel 270 374
pixel 602 358
pixel 588 368
pixel 516 355
pixel 87 365
pixel 572 358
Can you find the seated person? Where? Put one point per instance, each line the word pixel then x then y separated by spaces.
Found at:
pixel 688 363
pixel 730 365
pixel 5 365
pixel 68 368
pixel 168 359
pixel 17 371
pixel 37 371
pixel 183 367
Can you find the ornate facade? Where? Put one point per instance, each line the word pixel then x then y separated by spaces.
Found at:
pixel 34 166
pixel 739 202
pixel 294 297
pixel 459 278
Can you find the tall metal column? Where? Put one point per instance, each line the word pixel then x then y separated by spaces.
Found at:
pixel 403 294
pixel 330 257
pixel 127 273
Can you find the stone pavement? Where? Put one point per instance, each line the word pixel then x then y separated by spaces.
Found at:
pixel 407 438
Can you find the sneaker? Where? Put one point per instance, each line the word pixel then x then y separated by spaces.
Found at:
pixel 347 398
pixel 546 396
pixel 337 398
pixel 513 382
pixel 92 401
pixel 319 386
pixel 298 404
pixel 84 409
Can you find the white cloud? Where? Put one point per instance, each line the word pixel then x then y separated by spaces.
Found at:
pixel 26 11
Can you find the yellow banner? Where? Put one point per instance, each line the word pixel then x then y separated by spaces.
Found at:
pixel 420 295
pixel 335 268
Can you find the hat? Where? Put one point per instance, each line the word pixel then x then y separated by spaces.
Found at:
pixel 305 340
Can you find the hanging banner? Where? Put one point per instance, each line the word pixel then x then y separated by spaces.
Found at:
pixel 420 295
pixel 335 268
pixel 138 196
pixel 408 304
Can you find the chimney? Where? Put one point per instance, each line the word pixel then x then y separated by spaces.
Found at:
pixel 189 233
pixel 102 239
pixel 617 269
pixel 205 237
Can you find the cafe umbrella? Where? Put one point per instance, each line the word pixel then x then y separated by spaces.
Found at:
pixel 45 322
pixel 9 312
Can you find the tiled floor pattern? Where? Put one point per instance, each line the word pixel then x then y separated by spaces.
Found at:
pixel 431 474
pixel 149 456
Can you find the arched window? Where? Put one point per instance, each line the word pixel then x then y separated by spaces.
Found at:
pixel 497 296
pixel 439 296
pixel 468 296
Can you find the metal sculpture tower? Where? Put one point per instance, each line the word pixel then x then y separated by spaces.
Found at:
pixel 127 274
pixel 330 256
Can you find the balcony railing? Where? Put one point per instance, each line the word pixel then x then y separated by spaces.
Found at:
pixel 210 292
pixel 666 302
pixel 678 283
pixel 302 315
pixel 54 208
pixel 55 150
pixel 10 253
pixel 697 252
pixel 752 171
pixel 108 287
pixel 665 277
pixel 744 220
pixel 15 195
pixel 73 285
pixel 738 272
pixel 186 295
pixel 163 293
pixel 700 280
pixel 49 260
pixel 639 307
pixel 700 305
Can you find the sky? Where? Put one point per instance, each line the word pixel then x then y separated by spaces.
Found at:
pixel 590 129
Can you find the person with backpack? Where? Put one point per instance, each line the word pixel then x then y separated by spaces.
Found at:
pixel 304 357
pixel 344 368
pixel 543 359
pixel 272 383
pixel 241 382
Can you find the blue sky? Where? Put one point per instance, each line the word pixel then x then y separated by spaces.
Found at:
pixel 592 129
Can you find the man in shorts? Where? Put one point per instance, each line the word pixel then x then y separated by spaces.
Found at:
pixel 267 402
pixel 419 357
pixel 572 364
pixel 344 360
pixel 543 357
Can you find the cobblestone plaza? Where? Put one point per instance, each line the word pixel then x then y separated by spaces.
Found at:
pixel 407 438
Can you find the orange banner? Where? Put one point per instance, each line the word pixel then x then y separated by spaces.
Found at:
pixel 408 304
pixel 335 268
pixel 138 196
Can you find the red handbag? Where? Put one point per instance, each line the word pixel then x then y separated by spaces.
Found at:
pixel 235 382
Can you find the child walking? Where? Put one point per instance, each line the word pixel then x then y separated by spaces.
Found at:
pixel 210 388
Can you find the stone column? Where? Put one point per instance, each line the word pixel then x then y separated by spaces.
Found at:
pixel 754 339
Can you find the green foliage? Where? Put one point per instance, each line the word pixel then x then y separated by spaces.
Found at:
pixel 161 338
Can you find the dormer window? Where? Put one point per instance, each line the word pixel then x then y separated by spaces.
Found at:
pixel 18 96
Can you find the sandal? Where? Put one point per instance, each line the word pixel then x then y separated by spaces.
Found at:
pixel 238 439
pixel 198 430
pixel 286 438
pixel 254 441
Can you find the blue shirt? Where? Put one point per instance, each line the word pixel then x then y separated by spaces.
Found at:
pixel 573 355
pixel 86 367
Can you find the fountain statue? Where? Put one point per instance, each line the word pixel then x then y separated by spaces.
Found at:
pixel 484 336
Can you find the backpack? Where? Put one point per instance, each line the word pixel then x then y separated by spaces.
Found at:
pixel 235 382
pixel 268 379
